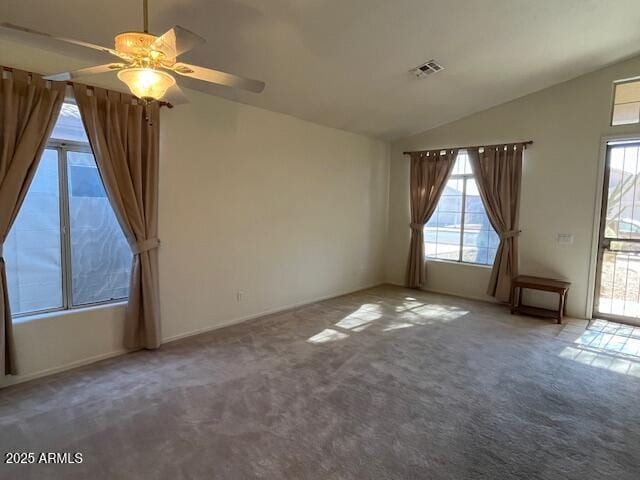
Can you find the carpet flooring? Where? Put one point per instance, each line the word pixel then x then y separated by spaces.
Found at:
pixel 385 383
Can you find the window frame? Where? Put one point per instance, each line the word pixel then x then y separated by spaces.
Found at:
pixel 464 177
pixel 62 147
pixel 613 104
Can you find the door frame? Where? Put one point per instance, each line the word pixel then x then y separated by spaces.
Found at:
pixel 597 216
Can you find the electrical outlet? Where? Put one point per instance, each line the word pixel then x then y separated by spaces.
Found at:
pixel 565 239
pixel 239 296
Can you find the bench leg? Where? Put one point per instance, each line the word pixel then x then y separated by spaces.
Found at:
pixel 520 290
pixel 561 306
pixel 514 299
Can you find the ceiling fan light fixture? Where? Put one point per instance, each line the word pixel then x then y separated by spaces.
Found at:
pixel 146 83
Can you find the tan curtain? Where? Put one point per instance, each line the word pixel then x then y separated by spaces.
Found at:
pixel 498 173
pixel 429 173
pixel 124 138
pixel 29 107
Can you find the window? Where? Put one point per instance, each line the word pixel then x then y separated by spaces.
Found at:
pixel 52 267
pixel 626 103
pixel 459 229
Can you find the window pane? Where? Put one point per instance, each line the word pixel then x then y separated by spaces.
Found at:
pixel 32 249
pixel 100 255
pixel 626 113
pixel 442 232
pixel 627 92
pixel 622 218
pixel 69 125
pixel 450 204
pixel 480 240
pixel 453 187
pixel 474 203
pixel 448 245
pixel 462 165
pixel 626 103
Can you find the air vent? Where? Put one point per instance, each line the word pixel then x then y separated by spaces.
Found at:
pixel 427 68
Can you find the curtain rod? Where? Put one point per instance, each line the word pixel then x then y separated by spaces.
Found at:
pixel 90 87
pixel 528 142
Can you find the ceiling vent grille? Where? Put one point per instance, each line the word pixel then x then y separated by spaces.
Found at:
pixel 427 68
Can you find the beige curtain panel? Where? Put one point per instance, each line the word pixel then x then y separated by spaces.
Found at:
pixel 124 138
pixel 429 173
pixel 29 107
pixel 498 174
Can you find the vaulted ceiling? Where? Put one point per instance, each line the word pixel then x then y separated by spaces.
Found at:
pixel 345 63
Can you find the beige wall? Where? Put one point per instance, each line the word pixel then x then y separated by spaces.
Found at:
pixel 283 210
pixel 567 123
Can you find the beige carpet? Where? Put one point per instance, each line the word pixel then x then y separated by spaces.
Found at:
pixel 383 384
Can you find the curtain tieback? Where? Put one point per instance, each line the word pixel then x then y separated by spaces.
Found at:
pixel 416 226
pixel 145 245
pixel 509 234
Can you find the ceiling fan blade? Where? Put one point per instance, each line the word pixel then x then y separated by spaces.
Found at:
pixel 83 72
pixel 51 41
pixel 176 41
pixel 175 96
pixel 216 76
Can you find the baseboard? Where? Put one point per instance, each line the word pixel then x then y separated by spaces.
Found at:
pixel 9 380
pixel 265 313
pixel 459 295
pixel 451 294
pixel 485 299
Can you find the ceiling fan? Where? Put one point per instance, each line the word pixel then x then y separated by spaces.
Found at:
pixel 146 61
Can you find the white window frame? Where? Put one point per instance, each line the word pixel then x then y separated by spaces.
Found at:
pixel 62 147
pixel 615 85
pixel 464 177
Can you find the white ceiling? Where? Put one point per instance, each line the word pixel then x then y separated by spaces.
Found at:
pixel 344 63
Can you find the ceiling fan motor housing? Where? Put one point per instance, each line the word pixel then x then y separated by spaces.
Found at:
pixel 135 44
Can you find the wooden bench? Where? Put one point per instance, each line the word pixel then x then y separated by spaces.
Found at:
pixel 521 282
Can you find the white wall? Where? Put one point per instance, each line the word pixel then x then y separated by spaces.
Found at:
pixel 281 209
pixel 567 123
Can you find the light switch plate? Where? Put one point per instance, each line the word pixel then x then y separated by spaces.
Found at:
pixel 565 238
